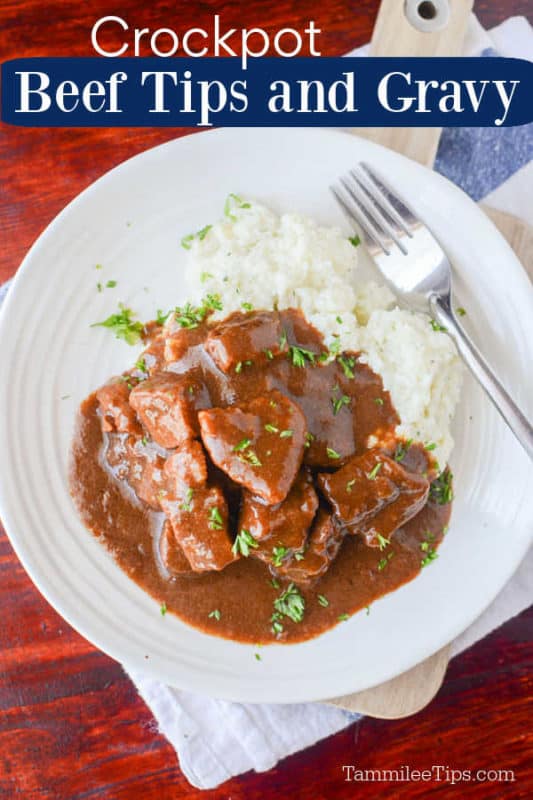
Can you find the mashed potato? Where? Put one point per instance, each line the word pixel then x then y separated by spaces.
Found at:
pixel 255 256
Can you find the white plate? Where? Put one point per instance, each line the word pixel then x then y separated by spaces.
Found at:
pixel 131 222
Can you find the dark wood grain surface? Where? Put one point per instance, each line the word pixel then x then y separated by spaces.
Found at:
pixel 71 724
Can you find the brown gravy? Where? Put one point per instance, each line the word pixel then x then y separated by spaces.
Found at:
pixel 244 591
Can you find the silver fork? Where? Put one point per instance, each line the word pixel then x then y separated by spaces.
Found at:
pixel 418 271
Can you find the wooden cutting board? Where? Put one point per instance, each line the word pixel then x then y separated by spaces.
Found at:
pixel 395 36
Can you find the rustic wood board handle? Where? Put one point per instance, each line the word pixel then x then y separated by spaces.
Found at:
pixel 394 35
pixel 413 690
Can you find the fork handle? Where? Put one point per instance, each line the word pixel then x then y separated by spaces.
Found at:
pixel 442 312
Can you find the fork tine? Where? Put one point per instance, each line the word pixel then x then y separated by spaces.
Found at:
pixel 363 207
pixel 378 212
pixel 355 215
pixel 400 213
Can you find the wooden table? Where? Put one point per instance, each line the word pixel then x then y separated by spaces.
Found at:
pixel 71 723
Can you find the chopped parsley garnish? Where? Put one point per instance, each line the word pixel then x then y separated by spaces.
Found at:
pixel 290 603
pixel 234 201
pixel 299 555
pixel 269 354
pixel 355 240
pixel 202 233
pixel 216 522
pixel 242 445
pixel 238 367
pixel 343 617
pixel 440 490
pixel 430 446
pixel 123 325
pixel 460 311
pixel 339 320
pixel 350 485
pixel 334 348
pixel 111 284
pixel 140 364
pixel 215 614
pixel 384 561
pixel 163 609
pixel 299 356
pixel 274 583
pixel 378 401
pixel 286 434
pixel 367 610
pixel 99 286
pixel 401 450
pixel 250 457
pixel 190 316
pixel 372 475
pixel 98 266
pixel 277 627
pixel 382 541
pixel 332 453
pixel 308 439
pixel 187 241
pixel 278 554
pixel 243 541
pixel 436 326
pixel 247 306
pixel 187 503
pixel 257 657
pixel 431 554
pixel 271 428
pixel 323 601
pixel 144 441
pixel 205 276
pixel 283 340
pixel 347 363
pixel 339 402
pixel 162 316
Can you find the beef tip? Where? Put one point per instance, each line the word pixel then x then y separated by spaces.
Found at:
pixel 259 444
pixel 186 468
pixel 171 553
pixel 166 404
pixel 200 524
pixel 256 336
pixel 300 332
pixel 151 359
pixel 374 495
pixel 280 530
pixel 116 412
pixel 182 341
pixel 320 550
pixel 138 462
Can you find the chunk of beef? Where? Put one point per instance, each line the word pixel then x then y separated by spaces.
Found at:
pixel 171 553
pixel 280 530
pixel 320 550
pixel 151 359
pixel 256 336
pixel 374 495
pixel 166 404
pixel 200 524
pixel 179 344
pixel 138 462
pixel 116 412
pixel 186 468
pixel 259 444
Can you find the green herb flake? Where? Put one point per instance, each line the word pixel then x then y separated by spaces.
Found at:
pixel 242 445
pixel 431 556
pixel 339 402
pixel 278 554
pixel 347 363
pixel 367 610
pixel 187 503
pixel 247 306
pixel 216 522
pixel 308 439
pixel 283 340
pixel 323 601
pixel 339 320
pixel 187 240
pixel 269 354
pixel 257 657
pixel 290 603
pixel 250 457
pixel 215 614
pixel 99 286
pixel 243 542
pixel 436 326
pixel 202 233
pixel 440 490
pixel 372 475
pixel 162 316
pixel 163 609
pixel 430 446
pixel 343 617
pixel 286 434
pixel 98 266
pixel 300 356
pixel 144 441
pixel 274 583
pixel 350 485
pixel 378 401
pixel 233 201
pixel 401 450
pixel 140 364
pixel 111 284
pixel 123 326
pixel 205 276
pixel 460 311
pixel 383 542
pixel 332 453
pixel 271 428
pixel 354 240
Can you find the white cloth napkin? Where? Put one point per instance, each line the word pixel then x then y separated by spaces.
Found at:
pixel 216 739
